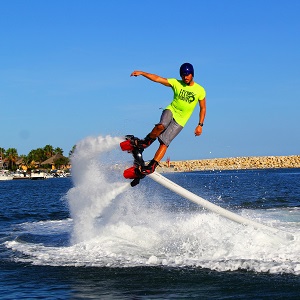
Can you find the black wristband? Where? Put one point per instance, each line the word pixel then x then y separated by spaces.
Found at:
pixel 200 124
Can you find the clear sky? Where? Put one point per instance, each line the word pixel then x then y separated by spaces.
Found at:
pixel 65 72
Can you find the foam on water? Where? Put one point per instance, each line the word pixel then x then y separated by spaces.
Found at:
pixel 114 225
pixel 175 240
pixel 94 190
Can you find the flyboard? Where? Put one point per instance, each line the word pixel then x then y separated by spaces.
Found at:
pixel 134 173
pixel 130 145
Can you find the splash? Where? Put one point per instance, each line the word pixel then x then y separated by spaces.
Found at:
pixel 114 225
pixel 96 184
pixel 155 238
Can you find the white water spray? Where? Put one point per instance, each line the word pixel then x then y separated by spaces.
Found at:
pixel 114 225
pixel 95 183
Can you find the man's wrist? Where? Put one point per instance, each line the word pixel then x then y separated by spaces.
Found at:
pixel 200 124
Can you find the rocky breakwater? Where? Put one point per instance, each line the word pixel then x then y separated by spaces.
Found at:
pixel 237 163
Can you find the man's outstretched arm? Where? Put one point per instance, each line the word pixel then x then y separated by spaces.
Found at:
pixel 152 77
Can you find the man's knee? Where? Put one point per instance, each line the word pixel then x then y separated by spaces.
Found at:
pixel 159 127
pixel 157 130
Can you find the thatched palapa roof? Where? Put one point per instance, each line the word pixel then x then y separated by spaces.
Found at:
pixel 52 159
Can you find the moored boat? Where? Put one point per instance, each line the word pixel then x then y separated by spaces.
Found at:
pixel 5 175
pixel 37 174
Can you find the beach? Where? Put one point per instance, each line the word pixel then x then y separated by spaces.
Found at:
pixel 232 163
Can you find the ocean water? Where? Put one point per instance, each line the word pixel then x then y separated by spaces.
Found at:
pixel 92 236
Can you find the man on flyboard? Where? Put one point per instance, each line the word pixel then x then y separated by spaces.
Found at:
pixel 187 93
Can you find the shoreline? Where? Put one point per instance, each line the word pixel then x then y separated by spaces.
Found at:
pixel 232 163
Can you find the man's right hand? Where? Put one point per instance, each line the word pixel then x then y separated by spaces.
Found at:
pixel 152 77
pixel 136 73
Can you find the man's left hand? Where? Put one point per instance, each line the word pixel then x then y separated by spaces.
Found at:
pixel 198 130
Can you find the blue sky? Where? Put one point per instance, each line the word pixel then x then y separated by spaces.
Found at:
pixel 65 72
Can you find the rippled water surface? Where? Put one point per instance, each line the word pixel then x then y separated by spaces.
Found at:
pixel 93 236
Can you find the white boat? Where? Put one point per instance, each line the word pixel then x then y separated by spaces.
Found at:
pixel 37 174
pixel 5 176
pixel 20 175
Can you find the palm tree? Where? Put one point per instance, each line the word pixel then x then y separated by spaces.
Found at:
pixel 37 155
pixel 11 155
pixel 49 151
pixel 2 156
pixel 72 151
pixel 25 160
pixel 63 161
pixel 58 151
pixel 2 151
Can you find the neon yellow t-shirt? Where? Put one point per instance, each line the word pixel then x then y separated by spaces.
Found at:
pixel 185 99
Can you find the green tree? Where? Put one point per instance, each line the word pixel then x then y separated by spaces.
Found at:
pixel 37 155
pixel 2 152
pixel 49 151
pixel 2 156
pixel 12 155
pixel 58 151
pixel 72 151
pixel 25 160
pixel 63 161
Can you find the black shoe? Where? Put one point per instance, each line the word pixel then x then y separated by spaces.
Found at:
pixel 150 168
pixel 135 182
pixel 146 142
pixel 138 143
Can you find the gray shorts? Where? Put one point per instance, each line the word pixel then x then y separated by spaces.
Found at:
pixel 172 128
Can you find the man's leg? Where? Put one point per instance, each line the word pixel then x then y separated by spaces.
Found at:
pixel 160 153
pixel 151 137
pixel 156 131
pixel 165 120
pixel 165 138
pixel 150 168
